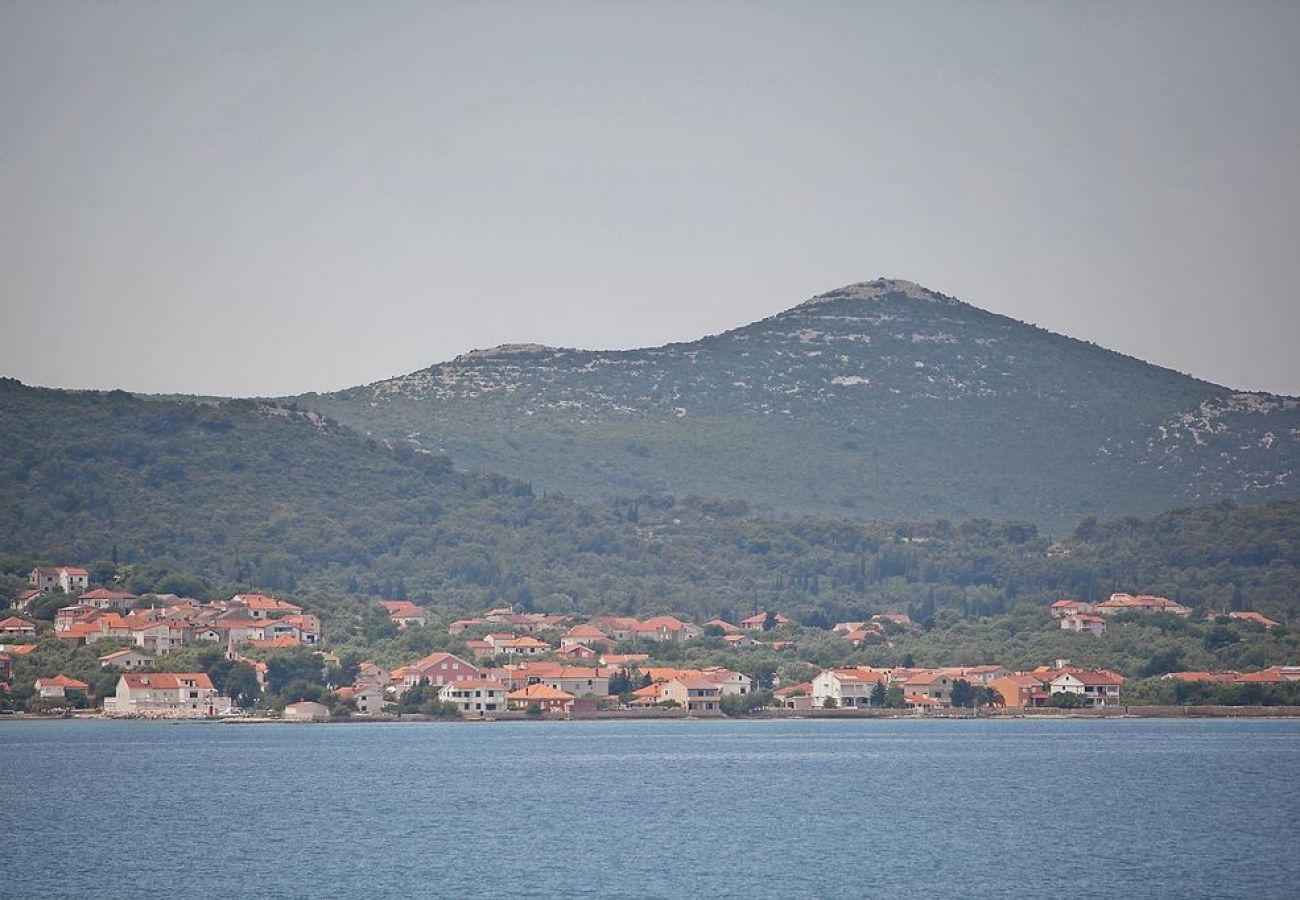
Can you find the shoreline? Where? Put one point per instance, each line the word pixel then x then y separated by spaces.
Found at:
pixel 1042 714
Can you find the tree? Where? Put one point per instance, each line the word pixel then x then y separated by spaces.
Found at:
pixel 769 621
pixel 1066 700
pixel 894 698
pixel 879 694
pixel 963 693
pixel 829 703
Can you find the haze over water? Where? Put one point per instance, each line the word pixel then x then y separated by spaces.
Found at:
pixel 907 808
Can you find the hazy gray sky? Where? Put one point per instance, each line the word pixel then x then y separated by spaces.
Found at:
pixel 267 198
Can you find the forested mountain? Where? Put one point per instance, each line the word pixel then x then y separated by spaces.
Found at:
pixel 879 400
pixel 255 495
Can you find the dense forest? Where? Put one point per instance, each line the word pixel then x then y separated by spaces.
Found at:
pixel 250 494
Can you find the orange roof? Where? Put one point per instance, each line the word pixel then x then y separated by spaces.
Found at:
pixel 527 641
pixel 539 692
pixel 402 609
pixel 62 681
pixel 105 594
pixel 481 684
pixel 268 604
pixel 585 631
pixel 280 643
pixel 925 678
pixel 116 653
pixel 921 700
pixel 618 659
pixel 168 680
pixel 1201 676
pixel 434 659
pixel 15 622
pixel 1254 617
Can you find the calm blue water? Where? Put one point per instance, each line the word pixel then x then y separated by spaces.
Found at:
pixel 652 809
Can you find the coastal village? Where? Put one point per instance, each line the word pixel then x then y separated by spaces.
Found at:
pixel 510 663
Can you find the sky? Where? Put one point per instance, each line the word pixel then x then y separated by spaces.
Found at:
pixel 249 198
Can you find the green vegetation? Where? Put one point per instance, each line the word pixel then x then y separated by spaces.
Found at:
pixel 903 405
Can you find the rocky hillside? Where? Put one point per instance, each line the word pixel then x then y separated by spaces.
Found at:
pixel 881 399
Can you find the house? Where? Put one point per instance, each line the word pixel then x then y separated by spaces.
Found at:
pixel 623 660
pixel 922 702
pixel 543 696
pixel 369 698
pixel 1143 603
pixel 66 616
pixel 475 696
pixel 757 621
pixel 25 600
pixel 55 688
pixel 371 673
pixel 584 634
pixel 1020 691
pixel 460 625
pixel 902 619
pixel 1099 686
pixel 1064 607
pixel 620 628
pixel 796 696
pixel 6 667
pixel 68 579
pixel 578 681
pixel 845 688
pixel 663 628
pixel 576 651
pixel 405 613
pixel 696 695
pixel 102 598
pixel 1271 675
pixel 306 711
pixel 125 659
pixel 524 646
pixel 1083 622
pixel 722 625
pixel 1213 677
pixel 1239 616
pixel 480 649
pixel 259 606
pixel 439 669
pixel 729 683
pixel 983 674
pixel 931 685
pixel 182 694
pixel 16 627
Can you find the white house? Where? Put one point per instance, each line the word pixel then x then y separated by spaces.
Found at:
pixel 476 697
pixel 1101 688
pixel 180 694
pixel 125 659
pixel 848 688
pixel 1094 624
pixel 306 711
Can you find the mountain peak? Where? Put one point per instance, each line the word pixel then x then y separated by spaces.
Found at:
pixel 501 350
pixel 880 288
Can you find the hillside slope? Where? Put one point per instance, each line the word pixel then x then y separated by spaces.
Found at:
pixel 253 495
pixel 879 400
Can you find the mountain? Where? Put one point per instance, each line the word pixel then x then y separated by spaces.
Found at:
pixel 878 400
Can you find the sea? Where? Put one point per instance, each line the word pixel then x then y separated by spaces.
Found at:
pixel 643 809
